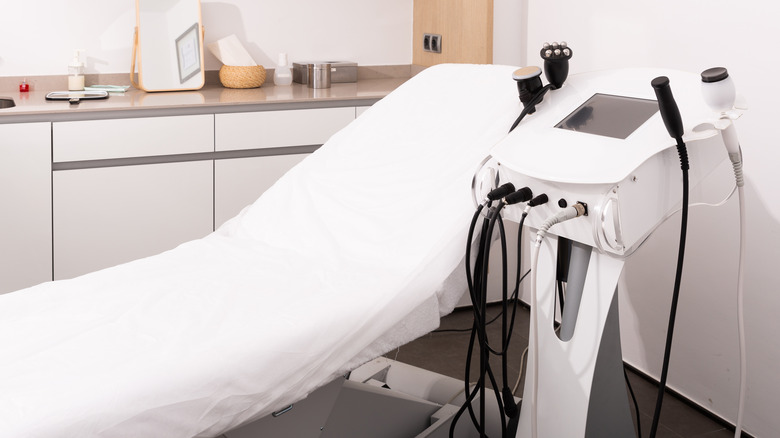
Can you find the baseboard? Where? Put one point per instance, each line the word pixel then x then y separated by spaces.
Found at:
pixel 690 403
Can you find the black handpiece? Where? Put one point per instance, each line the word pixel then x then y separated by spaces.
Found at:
pixel 668 107
pixel 529 82
pixel 521 195
pixel 501 191
pixel 556 62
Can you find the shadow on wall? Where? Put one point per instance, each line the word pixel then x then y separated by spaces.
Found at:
pixel 704 358
pixel 214 13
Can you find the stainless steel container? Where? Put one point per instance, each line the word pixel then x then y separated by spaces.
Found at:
pixel 319 75
pixel 340 71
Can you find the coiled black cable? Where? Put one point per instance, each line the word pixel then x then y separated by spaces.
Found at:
pixel 684 165
pixel 477 282
pixel 476 279
pixel 485 349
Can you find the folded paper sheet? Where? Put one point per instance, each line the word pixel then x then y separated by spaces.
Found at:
pixel 230 51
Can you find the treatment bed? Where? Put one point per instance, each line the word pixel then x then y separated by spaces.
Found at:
pixel 354 252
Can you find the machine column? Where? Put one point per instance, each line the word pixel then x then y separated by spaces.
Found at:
pixel 581 388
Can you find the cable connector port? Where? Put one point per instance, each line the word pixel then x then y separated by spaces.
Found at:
pixel 574 211
pixel 582 208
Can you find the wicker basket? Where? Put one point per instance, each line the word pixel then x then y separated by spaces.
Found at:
pixel 242 77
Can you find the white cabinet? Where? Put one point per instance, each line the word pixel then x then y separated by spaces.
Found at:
pixel 115 211
pixel 130 188
pixel 142 137
pixel 270 129
pixel 111 215
pixel 25 205
pixel 240 181
pixel 360 110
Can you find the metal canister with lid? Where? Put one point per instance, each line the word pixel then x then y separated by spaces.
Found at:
pixel 319 75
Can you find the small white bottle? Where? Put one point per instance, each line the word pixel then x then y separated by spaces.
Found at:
pixel 282 72
pixel 76 72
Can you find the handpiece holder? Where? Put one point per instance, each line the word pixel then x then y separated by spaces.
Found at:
pixel 719 93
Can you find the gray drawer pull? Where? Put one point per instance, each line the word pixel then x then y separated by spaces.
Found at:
pixel 283 411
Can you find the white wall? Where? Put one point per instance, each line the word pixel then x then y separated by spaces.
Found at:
pixel 509 30
pixel 693 36
pixel 39 35
pixel 367 32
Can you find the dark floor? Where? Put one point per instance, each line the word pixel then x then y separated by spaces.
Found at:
pixel 444 352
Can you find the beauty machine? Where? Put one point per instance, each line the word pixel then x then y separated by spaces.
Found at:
pixel 599 150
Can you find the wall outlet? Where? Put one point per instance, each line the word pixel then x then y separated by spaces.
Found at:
pixel 432 42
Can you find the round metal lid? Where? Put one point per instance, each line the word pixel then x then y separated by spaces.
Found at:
pixel 526 73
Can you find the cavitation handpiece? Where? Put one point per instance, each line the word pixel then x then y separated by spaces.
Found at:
pixel 529 82
pixel 556 62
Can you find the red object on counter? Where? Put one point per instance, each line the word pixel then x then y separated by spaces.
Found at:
pixel 24 87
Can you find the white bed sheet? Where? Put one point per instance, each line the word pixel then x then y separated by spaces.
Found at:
pixel 352 253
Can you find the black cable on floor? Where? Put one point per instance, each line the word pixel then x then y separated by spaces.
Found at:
pixel 636 405
pixel 513 298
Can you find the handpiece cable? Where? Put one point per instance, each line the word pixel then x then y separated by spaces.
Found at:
pixel 484 344
pixel 477 290
pixel 470 280
pixel 731 142
pixel 741 314
pixel 477 282
pixel 675 294
pixel 673 122
pixel 531 106
pixel 480 315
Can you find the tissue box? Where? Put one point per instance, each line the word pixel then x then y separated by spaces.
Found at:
pixel 340 71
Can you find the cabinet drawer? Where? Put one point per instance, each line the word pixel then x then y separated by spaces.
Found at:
pixel 239 182
pixel 107 216
pixel 272 129
pixel 123 138
pixel 360 110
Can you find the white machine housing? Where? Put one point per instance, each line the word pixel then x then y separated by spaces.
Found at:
pixel 629 185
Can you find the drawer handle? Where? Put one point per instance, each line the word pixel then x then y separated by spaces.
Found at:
pixel 282 412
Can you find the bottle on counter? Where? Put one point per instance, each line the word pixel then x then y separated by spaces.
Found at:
pixel 282 72
pixel 76 72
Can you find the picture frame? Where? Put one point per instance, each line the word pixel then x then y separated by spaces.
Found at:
pixel 188 53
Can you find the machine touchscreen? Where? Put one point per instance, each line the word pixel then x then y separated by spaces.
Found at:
pixel 608 115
